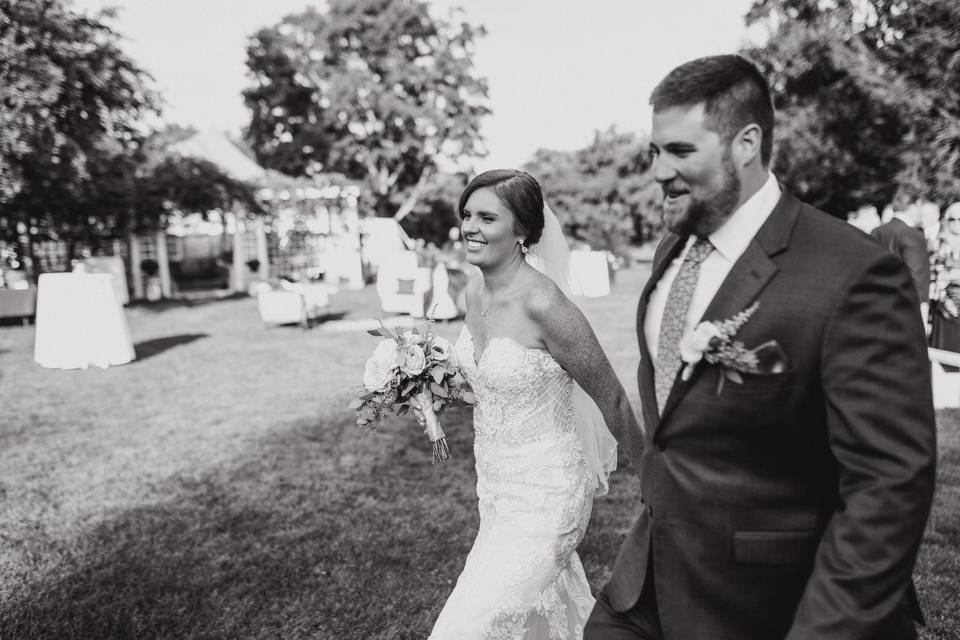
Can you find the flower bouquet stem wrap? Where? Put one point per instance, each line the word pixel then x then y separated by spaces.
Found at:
pixel 431 426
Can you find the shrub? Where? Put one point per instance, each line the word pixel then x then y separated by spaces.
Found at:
pixel 150 267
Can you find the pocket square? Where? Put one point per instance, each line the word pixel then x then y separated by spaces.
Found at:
pixel 771 358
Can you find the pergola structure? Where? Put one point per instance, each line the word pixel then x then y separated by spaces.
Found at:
pixel 322 207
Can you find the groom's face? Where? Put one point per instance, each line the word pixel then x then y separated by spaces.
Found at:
pixel 693 165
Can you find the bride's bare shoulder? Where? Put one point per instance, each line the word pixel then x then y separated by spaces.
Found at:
pixel 543 296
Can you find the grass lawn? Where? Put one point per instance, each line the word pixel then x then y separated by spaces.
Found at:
pixel 217 487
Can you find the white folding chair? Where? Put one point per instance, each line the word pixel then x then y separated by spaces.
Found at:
pixel 402 285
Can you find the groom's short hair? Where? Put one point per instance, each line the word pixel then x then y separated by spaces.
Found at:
pixel 731 88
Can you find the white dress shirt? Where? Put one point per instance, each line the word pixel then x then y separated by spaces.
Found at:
pixel 905 219
pixel 729 243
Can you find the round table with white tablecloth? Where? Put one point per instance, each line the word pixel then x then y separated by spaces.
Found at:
pixel 589 273
pixel 80 322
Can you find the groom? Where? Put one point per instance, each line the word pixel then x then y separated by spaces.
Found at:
pixel 788 502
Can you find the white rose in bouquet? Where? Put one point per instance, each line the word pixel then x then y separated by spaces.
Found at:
pixel 441 349
pixel 412 359
pixel 380 367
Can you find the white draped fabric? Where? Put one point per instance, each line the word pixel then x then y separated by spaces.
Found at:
pixel 80 323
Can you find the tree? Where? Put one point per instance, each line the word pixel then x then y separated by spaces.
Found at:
pixel 867 95
pixel 190 185
pixel 71 105
pixel 374 89
pixel 28 90
pixel 603 194
pixel 435 212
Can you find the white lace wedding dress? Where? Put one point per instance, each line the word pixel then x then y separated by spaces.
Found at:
pixel 522 579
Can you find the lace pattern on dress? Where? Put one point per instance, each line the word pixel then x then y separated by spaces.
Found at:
pixel 522 579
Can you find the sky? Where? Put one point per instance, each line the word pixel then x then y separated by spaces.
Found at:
pixel 558 70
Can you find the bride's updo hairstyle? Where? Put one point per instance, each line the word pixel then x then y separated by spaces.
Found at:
pixel 520 192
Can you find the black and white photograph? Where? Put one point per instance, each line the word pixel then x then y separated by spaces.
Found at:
pixel 479 320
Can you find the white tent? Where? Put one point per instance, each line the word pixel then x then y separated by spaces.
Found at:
pixel 217 148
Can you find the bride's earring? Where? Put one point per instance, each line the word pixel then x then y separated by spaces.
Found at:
pixel 523 247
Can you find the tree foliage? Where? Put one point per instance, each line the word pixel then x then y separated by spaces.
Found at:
pixel 868 98
pixel 71 109
pixel 603 194
pixel 374 89
pixel 189 185
pixel 435 212
pixel 167 182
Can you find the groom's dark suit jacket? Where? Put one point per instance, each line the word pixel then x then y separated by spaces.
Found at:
pixel 791 505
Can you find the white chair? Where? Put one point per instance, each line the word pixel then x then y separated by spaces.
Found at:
pixel 316 296
pixel 402 285
pixel 345 267
pixel 294 303
pixel 281 307
pixel 946 385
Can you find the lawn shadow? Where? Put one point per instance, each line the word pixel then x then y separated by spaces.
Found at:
pixel 330 317
pixel 318 531
pixel 21 321
pixel 288 542
pixel 150 348
pixel 167 304
pixel 311 322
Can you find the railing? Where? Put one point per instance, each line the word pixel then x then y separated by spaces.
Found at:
pixel 946 385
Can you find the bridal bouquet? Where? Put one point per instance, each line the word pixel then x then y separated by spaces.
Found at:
pixel 411 369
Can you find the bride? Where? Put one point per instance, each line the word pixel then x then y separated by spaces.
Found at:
pixel 542 447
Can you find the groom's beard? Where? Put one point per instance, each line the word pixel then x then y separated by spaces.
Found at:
pixel 703 217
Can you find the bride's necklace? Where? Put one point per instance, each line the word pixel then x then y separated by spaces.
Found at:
pixel 493 296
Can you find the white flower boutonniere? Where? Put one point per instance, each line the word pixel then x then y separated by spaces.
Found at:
pixel 714 343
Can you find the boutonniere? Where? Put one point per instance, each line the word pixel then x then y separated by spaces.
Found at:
pixel 713 342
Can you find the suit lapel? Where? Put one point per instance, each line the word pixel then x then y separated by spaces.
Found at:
pixel 670 247
pixel 749 275
pixel 746 279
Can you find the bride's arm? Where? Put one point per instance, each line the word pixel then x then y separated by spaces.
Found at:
pixel 570 340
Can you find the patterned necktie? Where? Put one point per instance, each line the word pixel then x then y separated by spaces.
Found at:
pixel 675 318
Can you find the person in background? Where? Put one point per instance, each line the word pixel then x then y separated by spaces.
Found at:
pixel 930 223
pixel 945 311
pixel 902 237
pixel 865 218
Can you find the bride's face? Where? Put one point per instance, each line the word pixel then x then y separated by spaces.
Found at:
pixel 489 230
